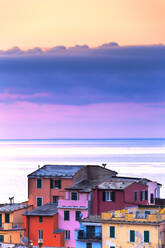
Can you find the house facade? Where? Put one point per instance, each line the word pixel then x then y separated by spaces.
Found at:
pixel 41 225
pixel 11 225
pixel 89 235
pixel 133 228
pixel 116 194
pixel 47 184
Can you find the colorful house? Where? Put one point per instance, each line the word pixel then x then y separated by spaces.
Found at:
pixel 11 229
pixel 78 200
pixel 41 226
pixel 47 184
pixel 89 235
pixel 115 194
pixel 133 228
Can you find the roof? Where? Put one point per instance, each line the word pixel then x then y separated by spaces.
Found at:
pixel 136 179
pixel 115 185
pixel 49 171
pixel 44 210
pixel 7 208
pixel 98 219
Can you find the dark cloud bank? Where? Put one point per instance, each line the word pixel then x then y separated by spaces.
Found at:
pixel 81 75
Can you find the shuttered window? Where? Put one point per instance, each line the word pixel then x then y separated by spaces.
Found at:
pixel 7 218
pixel 108 196
pixel 39 183
pixel 39 201
pixel 74 196
pixel 66 215
pixel 1 238
pixel 146 236
pixel 112 232
pixel 132 236
pixel 78 214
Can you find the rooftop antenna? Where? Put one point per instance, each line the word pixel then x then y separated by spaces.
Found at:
pixel 38 166
pixel 11 199
pixel 104 165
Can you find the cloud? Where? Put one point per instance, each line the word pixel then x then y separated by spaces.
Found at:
pixel 81 75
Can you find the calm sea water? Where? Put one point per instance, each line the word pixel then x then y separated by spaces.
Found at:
pixel 131 157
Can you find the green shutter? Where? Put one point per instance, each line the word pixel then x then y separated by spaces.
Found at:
pixel 39 183
pixel 146 237
pixel 7 218
pixel 59 184
pixel 103 195
pixel 39 201
pixel 51 183
pixel 112 232
pixel 132 236
pixel 113 196
pixel 66 215
pixel 78 215
pixel 1 238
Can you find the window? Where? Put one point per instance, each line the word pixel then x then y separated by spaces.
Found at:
pixel 112 232
pixel 40 219
pixel 39 183
pixel 39 201
pixel 146 236
pixel 55 199
pixel 152 198
pixel 89 245
pixel 108 196
pixel 132 236
pixel 40 234
pixel 67 235
pixel 66 215
pixel 74 196
pixel 55 184
pixel 7 218
pixel 78 215
pixel 144 195
pixel 1 238
pixel 135 196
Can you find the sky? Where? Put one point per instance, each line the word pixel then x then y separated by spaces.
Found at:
pixel 82 69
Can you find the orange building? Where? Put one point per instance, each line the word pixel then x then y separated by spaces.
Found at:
pixel 41 226
pixel 11 229
pixel 47 184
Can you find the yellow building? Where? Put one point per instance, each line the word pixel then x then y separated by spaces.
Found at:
pixel 135 227
pixel 11 230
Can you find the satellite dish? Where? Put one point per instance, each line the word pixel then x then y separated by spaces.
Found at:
pixel 81 215
pixel 25 240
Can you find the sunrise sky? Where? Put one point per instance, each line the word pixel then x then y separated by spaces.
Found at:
pixel 82 69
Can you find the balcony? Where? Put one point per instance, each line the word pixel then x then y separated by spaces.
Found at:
pixel 9 226
pixel 87 236
pixel 73 203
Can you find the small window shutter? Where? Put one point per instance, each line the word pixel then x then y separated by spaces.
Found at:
pixel 113 196
pixel 146 236
pixel 59 184
pixel 112 232
pixel 141 195
pixel 51 183
pixel 132 236
pixel 146 195
pixel 103 195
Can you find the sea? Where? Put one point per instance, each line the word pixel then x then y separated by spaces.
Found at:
pixel 129 157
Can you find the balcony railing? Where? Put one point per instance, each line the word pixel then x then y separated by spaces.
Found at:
pixel 7 226
pixel 73 203
pixel 89 236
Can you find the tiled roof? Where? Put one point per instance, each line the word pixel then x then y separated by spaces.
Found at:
pixel 7 208
pixel 56 171
pixel 44 210
pixel 118 185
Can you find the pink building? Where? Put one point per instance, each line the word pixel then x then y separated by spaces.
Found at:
pixel 70 211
